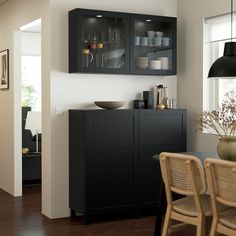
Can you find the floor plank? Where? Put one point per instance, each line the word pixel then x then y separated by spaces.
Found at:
pixel 21 217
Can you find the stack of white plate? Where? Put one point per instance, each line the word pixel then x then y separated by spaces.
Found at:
pixel 154 64
pixel 141 62
pixel 164 63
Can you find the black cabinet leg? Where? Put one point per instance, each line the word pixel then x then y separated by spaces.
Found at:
pixel 86 219
pixel 72 213
pixel 158 224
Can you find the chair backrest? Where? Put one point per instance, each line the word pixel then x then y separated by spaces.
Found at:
pixel 221 176
pixel 182 173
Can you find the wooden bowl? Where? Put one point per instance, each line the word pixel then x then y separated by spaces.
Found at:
pixel 110 105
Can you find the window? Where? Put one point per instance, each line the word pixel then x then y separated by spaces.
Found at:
pixel 217 31
pixel 31 81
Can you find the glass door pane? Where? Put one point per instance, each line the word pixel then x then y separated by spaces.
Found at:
pixel 154 45
pixel 104 45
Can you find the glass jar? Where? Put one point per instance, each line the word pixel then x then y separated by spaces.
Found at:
pixel 93 50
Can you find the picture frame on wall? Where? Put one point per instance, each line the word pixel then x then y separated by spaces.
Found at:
pixel 4 69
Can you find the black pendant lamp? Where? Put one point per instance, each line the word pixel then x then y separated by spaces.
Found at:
pixel 226 66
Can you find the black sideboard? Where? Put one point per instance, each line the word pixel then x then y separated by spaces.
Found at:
pixel 31 162
pixel 111 167
pixel 31 168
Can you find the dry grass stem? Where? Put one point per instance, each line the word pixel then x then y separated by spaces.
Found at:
pixel 221 121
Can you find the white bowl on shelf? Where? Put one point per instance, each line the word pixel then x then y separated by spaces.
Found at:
pixel 141 65
pixel 154 64
pixel 141 62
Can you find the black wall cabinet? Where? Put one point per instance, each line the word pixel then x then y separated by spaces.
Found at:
pixel 110 153
pixel 121 43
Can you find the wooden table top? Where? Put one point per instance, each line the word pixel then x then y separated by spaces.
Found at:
pixel 202 155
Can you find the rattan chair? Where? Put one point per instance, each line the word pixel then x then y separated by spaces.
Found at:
pixel 221 176
pixel 184 174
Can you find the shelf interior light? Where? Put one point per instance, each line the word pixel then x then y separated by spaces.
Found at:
pixel 99 16
pixel 148 20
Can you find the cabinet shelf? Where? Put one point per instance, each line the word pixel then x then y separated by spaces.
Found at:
pixel 154 48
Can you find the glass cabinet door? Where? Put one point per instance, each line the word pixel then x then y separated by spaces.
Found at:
pixel 153 40
pixel 103 41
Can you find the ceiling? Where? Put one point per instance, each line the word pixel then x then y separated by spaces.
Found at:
pixel 3 1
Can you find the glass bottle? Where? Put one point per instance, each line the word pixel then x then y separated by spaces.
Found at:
pixel 93 49
pixel 87 58
pixel 99 56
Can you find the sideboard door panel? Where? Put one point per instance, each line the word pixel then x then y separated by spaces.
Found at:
pixel 114 128
pixel 111 179
pixel 162 127
pixel 150 174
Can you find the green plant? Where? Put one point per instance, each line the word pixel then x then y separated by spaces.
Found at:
pixel 28 96
pixel 221 121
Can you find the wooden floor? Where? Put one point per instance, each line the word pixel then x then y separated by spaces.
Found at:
pixel 21 217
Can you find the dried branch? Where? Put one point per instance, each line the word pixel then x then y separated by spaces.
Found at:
pixel 223 120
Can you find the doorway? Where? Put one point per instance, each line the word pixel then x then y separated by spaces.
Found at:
pixel 30 57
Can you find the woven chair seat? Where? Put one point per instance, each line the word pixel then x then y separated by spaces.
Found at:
pixel 228 218
pixel 187 206
pixel 221 176
pixel 184 174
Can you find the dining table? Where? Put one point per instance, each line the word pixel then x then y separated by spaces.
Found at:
pixel 161 203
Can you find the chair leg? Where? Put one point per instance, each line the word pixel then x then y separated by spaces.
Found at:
pixel 201 227
pixel 213 227
pixel 166 222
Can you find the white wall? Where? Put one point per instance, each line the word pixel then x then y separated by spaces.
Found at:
pixel 190 63
pixel 31 43
pixel 14 14
pixel 81 90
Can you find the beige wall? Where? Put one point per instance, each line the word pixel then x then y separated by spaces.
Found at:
pixel 64 91
pixel 190 63
pixel 80 90
pixel 61 90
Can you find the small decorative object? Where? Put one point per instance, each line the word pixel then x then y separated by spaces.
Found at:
pixel 25 150
pixel 226 148
pixel 162 94
pixel 148 99
pixel 139 104
pixel 4 69
pixel 161 106
pixel 222 122
pixel 110 104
